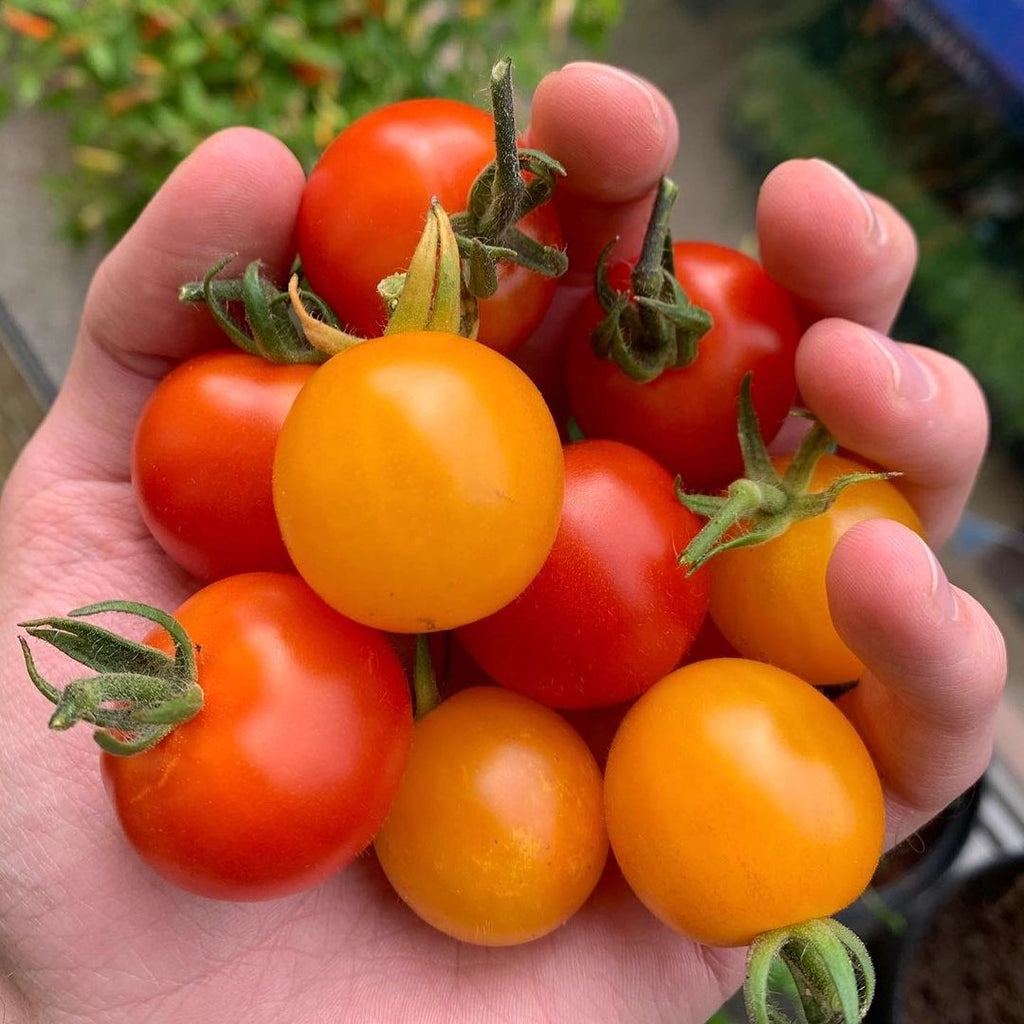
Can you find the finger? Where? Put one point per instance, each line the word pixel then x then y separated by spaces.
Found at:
pixel 616 134
pixel 936 669
pixel 838 250
pixel 237 192
pixel 904 407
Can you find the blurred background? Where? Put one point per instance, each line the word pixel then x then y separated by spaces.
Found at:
pixel 921 101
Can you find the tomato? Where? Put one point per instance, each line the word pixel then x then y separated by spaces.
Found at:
pixel 289 768
pixel 686 418
pixel 611 611
pixel 202 459
pixel 769 601
pixel 418 482
pixel 366 201
pixel 739 799
pixel 497 833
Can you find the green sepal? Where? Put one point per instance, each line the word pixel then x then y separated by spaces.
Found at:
pixel 833 981
pixel 138 694
pixel 270 329
pixel 655 327
pixel 501 197
pixel 762 505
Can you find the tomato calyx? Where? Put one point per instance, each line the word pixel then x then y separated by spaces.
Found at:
pixel 268 330
pixel 138 694
pixel 654 326
pixel 833 978
pixel 501 197
pixel 427 297
pixel 763 504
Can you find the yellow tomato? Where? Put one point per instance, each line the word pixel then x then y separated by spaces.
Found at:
pixel 769 601
pixel 497 834
pixel 739 799
pixel 418 482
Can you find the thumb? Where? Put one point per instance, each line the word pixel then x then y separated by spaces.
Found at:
pixel 237 192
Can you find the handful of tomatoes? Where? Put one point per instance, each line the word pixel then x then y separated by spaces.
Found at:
pixel 364 471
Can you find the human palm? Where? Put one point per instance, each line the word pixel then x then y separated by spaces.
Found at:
pixel 88 933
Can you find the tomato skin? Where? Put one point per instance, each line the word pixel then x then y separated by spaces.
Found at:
pixel 739 799
pixel 418 482
pixel 497 834
pixel 366 202
pixel 770 602
pixel 610 611
pixel 686 418
pixel 286 773
pixel 202 459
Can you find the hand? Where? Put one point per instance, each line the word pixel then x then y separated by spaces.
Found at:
pixel 88 933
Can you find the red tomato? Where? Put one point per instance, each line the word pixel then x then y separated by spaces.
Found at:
pixel 686 418
pixel 289 769
pixel 739 800
pixel 366 202
pixel 497 833
pixel 610 611
pixel 202 461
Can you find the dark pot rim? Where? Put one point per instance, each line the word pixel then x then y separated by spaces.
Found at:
pixel 998 871
pixel 902 892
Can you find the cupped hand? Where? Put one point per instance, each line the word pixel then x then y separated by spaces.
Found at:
pixel 88 933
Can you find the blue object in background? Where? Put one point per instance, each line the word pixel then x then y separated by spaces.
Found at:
pixel 996 28
pixel 981 40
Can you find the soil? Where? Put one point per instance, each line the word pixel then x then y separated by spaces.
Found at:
pixel 968 967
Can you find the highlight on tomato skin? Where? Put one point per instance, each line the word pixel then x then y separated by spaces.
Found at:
pixel 418 481
pixel 740 800
pixel 286 773
pixel 496 836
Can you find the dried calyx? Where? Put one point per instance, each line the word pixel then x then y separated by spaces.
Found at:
pixel 654 326
pixel 136 694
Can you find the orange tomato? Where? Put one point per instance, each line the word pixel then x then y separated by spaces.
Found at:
pixel 738 799
pixel 496 835
pixel 769 601
pixel 418 481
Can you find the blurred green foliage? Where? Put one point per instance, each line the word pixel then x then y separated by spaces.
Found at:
pixel 142 81
pixel 859 93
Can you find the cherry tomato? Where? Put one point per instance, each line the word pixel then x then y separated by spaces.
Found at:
pixel 289 768
pixel 202 459
pixel 686 418
pixel 739 799
pixel 366 202
pixel 611 611
pixel 769 601
pixel 418 482
pixel 497 833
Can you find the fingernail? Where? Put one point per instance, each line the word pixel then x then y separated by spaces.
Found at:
pixel 875 227
pixel 940 591
pixel 911 379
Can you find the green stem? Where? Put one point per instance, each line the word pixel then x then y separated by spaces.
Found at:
pixel 648 272
pixel 744 499
pixel 508 187
pixel 424 683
